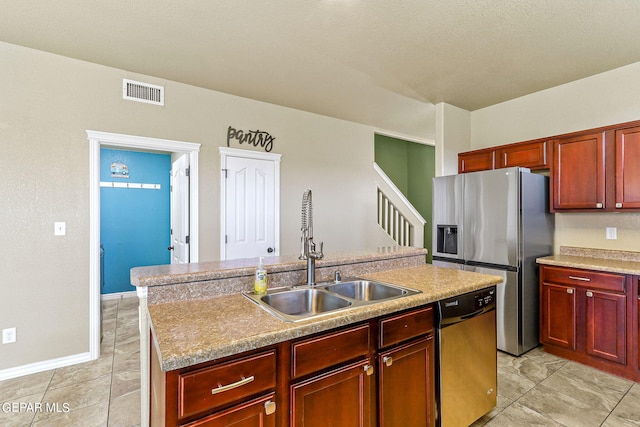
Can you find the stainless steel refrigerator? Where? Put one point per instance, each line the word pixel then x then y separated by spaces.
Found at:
pixel 497 222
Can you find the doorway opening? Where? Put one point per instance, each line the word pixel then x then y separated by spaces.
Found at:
pixel 134 215
pixel 98 140
pixel 410 164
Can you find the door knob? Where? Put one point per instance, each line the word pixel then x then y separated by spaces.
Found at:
pixel 170 248
pixel 270 250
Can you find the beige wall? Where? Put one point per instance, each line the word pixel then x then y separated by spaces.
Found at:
pixel 600 100
pixel 453 125
pixel 47 104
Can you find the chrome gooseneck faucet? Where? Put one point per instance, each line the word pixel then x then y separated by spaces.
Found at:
pixel 307 245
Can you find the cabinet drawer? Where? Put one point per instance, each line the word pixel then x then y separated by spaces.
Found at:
pixel 404 326
pixel 218 385
pixel 253 413
pixel 584 278
pixel 315 354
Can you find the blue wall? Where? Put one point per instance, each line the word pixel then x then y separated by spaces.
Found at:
pixel 134 223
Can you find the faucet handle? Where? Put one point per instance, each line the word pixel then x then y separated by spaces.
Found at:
pixel 320 253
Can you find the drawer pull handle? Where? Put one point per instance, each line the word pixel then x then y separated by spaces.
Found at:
pixel 618 205
pixel 223 388
pixel 388 360
pixel 269 407
pixel 590 294
pixel 599 205
pixel 569 291
pixel 584 279
pixel 368 369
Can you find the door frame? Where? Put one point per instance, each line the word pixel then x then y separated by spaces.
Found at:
pixel 98 139
pixel 247 154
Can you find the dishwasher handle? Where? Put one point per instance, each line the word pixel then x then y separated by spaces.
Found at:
pixel 448 321
pixel 474 314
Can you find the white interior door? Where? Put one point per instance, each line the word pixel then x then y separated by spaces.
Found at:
pixel 250 207
pixel 180 210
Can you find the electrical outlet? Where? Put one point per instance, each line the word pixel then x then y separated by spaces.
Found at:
pixel 8 335
pixel 612 233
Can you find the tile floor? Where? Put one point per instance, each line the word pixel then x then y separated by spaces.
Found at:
pixel 536 389
pixel 104 392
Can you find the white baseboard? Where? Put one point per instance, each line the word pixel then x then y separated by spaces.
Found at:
pixel 118 295
pixel 45 365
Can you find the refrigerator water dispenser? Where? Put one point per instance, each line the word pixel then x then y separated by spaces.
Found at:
pixel 447 239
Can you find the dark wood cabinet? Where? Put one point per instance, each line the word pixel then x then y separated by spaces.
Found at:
pixel 478 160
pixel 347 377
pixel 255 413
pixel 216 386
pixel 405 385
pixel 597 171
pixel 606 328
pixel 627 172
pixel 532 155
pixel 558 322
pixel 340 398
pixel 591 171
pixel 406 369
pixel 237 391
pixel 578 173
pixel 584 316
pixel 314 354
pixel 636 323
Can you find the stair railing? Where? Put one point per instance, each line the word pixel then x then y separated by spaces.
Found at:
pixel 396 215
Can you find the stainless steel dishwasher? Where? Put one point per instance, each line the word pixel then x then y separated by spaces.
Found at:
pixel 466 362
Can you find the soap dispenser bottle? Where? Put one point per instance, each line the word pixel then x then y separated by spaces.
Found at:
pixel 260 283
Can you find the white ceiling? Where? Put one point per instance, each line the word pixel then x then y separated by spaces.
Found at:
pixel 379 62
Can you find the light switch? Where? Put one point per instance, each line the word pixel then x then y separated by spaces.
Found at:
pixel 612 233
pixel 59 228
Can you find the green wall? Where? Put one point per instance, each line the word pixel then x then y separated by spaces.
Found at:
pixel 411 166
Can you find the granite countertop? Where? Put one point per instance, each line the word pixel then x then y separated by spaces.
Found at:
pixel 200 330
pixel 614 261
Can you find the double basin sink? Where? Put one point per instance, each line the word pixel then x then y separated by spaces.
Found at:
pixel 305 302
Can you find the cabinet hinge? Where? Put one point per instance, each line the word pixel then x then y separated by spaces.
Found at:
pixel 225 172
pixel 188 240
pixel 188 171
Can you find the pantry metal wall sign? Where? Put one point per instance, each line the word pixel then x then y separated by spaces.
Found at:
pixel 250 137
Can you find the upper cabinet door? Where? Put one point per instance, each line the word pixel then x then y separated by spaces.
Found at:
pixel 474 161
pixel 578 172
pixel 532 155
pixel 627 170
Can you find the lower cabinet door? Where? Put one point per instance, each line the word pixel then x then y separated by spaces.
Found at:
pixel 558 316
pixel 255 413
pixel 405 388
pixel 606 326
pixel 339 398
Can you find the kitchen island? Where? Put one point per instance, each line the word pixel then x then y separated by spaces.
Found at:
pixel 199 317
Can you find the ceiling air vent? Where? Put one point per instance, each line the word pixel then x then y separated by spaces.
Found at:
pixel 142 92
